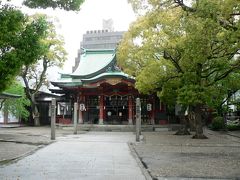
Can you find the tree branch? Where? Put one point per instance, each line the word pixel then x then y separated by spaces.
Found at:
pixel 225 74
pixel 228 97
pixel 42 76
pixel 209 74
pixel 174 62
pixel 2 102
pixel 24 76
pixel 184 6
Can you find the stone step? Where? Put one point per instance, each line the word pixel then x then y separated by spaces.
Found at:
pixel 122 128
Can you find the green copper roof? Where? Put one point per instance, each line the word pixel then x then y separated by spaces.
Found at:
pixel 93 61
pixel 109 74
pixel 69 83
pixel 94 65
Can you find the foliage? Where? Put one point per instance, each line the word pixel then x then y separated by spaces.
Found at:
pixel 233 127
pixel 217 123
pixel 69 5
pixel 19 44
pixel 191 50
pixel 17 107
pixel 185 53
pixel 35 75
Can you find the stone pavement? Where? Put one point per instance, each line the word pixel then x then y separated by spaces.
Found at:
pixel 19 142
pixel 167 156
pixel 94 155
pixel 105 155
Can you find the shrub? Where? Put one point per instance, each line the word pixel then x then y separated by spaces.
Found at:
pixel 233 127
pixel 218 123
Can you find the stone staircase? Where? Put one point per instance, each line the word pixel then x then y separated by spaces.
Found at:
pixel 121 128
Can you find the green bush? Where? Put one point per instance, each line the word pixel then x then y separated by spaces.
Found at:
pixel 217 123
pixel 233 127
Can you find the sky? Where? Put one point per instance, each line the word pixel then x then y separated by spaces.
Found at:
pixel 73 25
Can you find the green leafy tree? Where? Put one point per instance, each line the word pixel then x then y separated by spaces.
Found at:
pixel 69 5
pixel 35 75
pixel 183 52
pixel 224 93
pixel 17 107
pixel 19 43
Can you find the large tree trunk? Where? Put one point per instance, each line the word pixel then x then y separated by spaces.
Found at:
pixel 191 117
pixel 198 123
pixel 184 129
pixel 5 116
pixel 34 110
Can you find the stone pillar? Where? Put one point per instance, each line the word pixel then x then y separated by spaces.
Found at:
pixel 153 112
pixel 130 110
pixel 138 119
pixel 53 119
pixel 75 117
pixel 101 109
pixel 80 118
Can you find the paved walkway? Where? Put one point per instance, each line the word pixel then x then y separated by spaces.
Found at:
pixel 94 155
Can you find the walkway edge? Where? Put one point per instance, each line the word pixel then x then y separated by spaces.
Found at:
pixel 139 162
pixel 19 157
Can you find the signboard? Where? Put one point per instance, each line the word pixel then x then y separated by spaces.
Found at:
pixel 149 107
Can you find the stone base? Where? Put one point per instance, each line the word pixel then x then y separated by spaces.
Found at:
pixel 153 121
pixel 130 121
pixel 80 121
pixel 100 121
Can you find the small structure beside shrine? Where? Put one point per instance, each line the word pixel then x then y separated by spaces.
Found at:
pixel 5 116
pixel 104 93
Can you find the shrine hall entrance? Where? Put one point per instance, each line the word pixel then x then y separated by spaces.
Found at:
pixel 116 110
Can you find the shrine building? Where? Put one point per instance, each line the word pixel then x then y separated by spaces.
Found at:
pixel 104 93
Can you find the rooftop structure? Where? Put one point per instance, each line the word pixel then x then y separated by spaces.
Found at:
pixel 99 39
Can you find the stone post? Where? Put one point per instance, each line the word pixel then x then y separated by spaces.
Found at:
pixel 53 119
pixel 130 110
pixel 138 119
pixel 75 117
pixel 153 112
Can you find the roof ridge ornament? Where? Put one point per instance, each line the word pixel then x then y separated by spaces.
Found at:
pixel 113 68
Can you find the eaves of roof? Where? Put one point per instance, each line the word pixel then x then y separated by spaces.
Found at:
pixel 5 95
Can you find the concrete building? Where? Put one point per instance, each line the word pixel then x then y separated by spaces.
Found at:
pixel 106 38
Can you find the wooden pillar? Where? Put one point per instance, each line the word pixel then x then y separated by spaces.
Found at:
pixel 101 109
pixel 81 102
pixel 130 110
